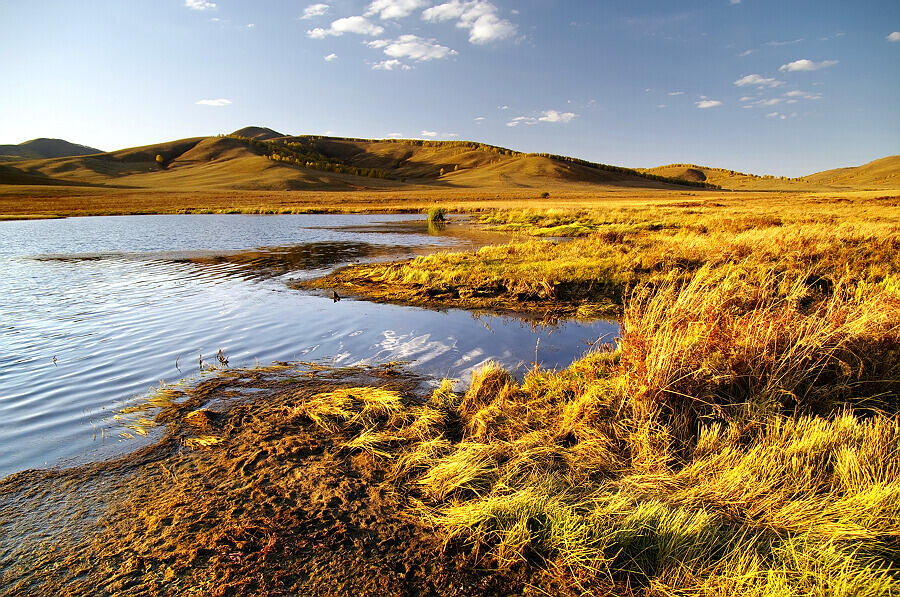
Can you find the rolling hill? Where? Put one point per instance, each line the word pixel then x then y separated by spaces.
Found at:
pixel 257 158
pixel 883 173
pixel 261 159
pixel 44 148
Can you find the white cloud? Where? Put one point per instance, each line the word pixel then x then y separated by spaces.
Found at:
pixel 676 93
pixel 480 118
pixel 806 65
pixel 746 53
pixel 429 133
pixel 776 115
pixel 503 107
pixel 395 135
pixel 358 25
pixel 314 10
pixel 554 116
pixel 770 102
pixel 390 65
pixel 522 120
pixel 199 4
pixel 413 47
pixel 213 102
pixel 776 44
pixel 478 16
pixel 251 25
pixel 331 57
pixel 660 105
pixel 551 116
pixel 394 9
pixel 758 81
pixel 804 95
pixel 895 36
pixel 747 98
pixel 704 104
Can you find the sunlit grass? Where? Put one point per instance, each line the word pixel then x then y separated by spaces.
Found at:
pixel 741 438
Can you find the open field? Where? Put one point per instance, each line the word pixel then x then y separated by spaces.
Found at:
pixel 36 201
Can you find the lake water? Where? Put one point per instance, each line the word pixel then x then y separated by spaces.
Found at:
pixel 94 312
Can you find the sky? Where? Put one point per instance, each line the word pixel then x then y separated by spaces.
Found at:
pixel 787 87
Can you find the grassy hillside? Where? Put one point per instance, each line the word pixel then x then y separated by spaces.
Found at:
pixel 256 158
pixel 879 174
pixel 261 159
pixel 883 172
pixel 44 148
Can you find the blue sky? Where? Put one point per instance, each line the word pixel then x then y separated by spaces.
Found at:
pixel 784 87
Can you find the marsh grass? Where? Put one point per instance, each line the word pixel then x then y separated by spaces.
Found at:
pixel 741 438
pixel 618 248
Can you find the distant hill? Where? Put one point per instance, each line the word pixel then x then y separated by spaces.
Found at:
pixel 885 171
pixel 257 132
pixel 44 148
pixel 258 158
pixel 881 173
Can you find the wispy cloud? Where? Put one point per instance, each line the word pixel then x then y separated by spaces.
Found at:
pixel 213 102
pixel 431 134
pixel 199 4
pixel 806 65
pixel 331 57
pixel 757 81
pixel 550 116
pixel 522 120
pixel 804 95
pixel 776 44
pixel 357 24
pixel 413 47
pixel 704 104
pixel 314 10
pixel 554 116
pixel 745 53
pixel 781 116
pixel 392 64
pixel 895 36
pixel 394 9
pixel 395 135
pixel 478 16
pixel 480 119
pixel 676 93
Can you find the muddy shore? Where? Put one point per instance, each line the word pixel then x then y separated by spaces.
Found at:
pixel 240 497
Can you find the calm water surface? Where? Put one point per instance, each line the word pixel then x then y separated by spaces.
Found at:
pixel 94 312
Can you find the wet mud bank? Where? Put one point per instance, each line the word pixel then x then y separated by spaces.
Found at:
pixel 550 302
pixel 244 494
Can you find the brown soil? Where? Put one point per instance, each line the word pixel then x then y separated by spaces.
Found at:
pixel 241 497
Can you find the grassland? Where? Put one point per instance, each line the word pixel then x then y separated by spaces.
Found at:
pixel 741 437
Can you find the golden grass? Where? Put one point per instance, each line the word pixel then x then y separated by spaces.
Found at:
pixel 626 243
pixel 740 439
pixel 742 436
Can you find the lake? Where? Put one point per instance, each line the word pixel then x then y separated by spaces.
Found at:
pixel 95 312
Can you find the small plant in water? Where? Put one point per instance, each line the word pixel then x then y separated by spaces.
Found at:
pixel 436 215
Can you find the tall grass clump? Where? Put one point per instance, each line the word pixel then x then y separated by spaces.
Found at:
pixel 436 215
